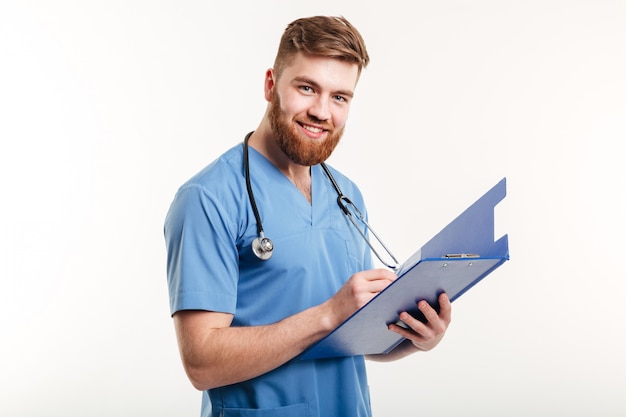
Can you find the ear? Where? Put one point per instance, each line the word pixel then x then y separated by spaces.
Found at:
pixel 270 82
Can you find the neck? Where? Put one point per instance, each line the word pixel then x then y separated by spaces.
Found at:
pixel 263 142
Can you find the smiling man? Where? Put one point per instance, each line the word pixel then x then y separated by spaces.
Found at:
pixel 308 109
pixel 244 306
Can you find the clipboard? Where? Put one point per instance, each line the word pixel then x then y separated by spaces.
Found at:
pixel 453 261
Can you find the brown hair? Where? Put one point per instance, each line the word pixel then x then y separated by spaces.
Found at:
pixel 326 36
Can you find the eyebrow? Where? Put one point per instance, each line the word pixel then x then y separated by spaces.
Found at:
pixel 317 86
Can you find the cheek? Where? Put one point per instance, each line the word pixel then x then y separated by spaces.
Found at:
pixel 340 117
pixel 292 104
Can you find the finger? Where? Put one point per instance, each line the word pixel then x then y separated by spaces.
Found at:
pixel 379 274
pixel 435 324
pixel 376 280
pixel 445 308
pixel 370 288
pixel 429 313
pixel 412 332
pixel 415 325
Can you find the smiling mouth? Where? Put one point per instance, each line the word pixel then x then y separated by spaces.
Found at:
pixel 312 129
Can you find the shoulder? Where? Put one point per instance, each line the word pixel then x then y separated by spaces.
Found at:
pixel 226 169
pixel 216 190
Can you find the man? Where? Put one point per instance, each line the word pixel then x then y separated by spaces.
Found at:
pixel 242 321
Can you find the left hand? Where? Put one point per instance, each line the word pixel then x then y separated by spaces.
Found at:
pixel 426 336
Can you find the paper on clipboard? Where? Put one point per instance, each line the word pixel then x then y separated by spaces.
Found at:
pixel 453 261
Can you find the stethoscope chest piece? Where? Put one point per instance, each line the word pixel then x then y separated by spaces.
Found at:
pixel 263 247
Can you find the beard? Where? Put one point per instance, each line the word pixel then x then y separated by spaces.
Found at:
pixel 301 151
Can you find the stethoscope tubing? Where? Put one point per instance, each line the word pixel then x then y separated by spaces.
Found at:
pixel 263 247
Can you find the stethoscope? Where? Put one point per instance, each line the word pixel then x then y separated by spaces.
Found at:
pixel 263 247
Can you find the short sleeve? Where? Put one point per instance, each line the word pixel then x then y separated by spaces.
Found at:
pixel 202 257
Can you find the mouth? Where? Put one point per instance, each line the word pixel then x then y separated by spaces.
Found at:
pixel 312 131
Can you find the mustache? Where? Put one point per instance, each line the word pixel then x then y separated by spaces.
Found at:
pixel 312 120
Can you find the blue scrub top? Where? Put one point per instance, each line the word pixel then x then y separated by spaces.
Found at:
pixel 209 231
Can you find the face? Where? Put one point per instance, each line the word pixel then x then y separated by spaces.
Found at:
pixel 309 107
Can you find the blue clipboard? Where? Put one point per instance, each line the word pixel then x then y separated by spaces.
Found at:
pixel 453 261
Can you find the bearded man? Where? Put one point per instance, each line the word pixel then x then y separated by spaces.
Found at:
pixel 245 306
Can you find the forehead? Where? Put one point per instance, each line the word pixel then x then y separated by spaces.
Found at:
pixel 330 73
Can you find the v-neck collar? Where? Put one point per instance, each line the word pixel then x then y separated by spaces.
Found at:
pixel 319 192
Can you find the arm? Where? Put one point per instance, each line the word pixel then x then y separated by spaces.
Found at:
pixel 215 354
pixel 420 336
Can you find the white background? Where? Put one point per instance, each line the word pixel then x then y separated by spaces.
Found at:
pixel 106 107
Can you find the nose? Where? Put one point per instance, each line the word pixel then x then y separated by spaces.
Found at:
pixel 320 110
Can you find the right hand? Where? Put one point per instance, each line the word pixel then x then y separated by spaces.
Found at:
pixel 359 290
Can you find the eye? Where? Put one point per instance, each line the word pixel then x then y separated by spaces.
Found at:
pixel 306 89
pixel 340 99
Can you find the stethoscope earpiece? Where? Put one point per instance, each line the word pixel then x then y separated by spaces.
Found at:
pixel 263 248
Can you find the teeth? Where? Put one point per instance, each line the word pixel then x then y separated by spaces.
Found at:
pixel 313 129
